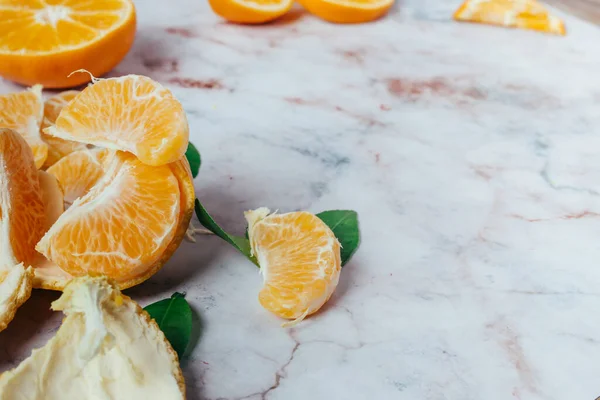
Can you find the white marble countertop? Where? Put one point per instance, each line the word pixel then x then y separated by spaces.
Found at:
pixel 472 156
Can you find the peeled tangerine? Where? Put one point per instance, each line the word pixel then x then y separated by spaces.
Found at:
pixel 299 258
pixel 124 222
pixel 107 347
pixel 27 208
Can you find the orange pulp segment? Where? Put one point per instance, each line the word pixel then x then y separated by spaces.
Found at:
pixel 524 14
pixel 23 112
pixel 299 258
pixel 78 172
pixel 58 148
pixel 22 211
pixel 122 225
pixel 250 11
pixel 44 41
pixel 131 113
pixel 348 11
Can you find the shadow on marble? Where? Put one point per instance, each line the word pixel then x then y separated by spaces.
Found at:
pixel 32 327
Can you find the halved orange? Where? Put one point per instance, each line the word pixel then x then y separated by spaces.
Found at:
pixel 58 148
pixel 23 112
pixel 127 225
pixel 131 113
pixel 525 14
pixel 43 41
pixel 348 11
pixel 250 11
pixel 78 172
pixel 22 211
pixel 299 258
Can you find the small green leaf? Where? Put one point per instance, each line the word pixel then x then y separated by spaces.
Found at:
pixel 344 224
pixel 193 157
pixel 174 318
pixel 239 242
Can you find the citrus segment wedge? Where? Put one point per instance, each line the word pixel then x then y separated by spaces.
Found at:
pixel 130 113
pixel 58 148
pixel 250 11
pixel 122 226
pixel 78 172
pixel 23 112
pixel 299 258
pixel 44 41
pixel 22 211
pixel 524 14
pixel 15 289
pixel 348 11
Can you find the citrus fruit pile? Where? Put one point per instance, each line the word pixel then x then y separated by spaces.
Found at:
pixel 115 200
pixel 44 41
pixel 337 11
pixel 524 14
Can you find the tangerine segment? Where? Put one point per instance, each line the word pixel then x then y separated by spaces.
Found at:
pixel 23 112
pixel 15 289
pixel 250 11
pixel 299 258
pixel 524 14
pixel 58 148
pixel 122 226
pixel 78 172
pixel 44 41
pixel 348 11
pixel 130 113
pixel 22 211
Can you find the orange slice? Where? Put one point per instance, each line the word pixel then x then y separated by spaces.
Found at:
pixel 250 11
pixel 44 41
pixel 348 11
pixel 299 258
pixel 22 211
pixel 78 172
pixel 127 225
pixel 58 148
pixel 524 14
pixel 23 112
pixel 130 113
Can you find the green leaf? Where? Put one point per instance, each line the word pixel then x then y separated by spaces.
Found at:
pixel 344 224
pixel 239 242
pixel 193 157
pixel 174 318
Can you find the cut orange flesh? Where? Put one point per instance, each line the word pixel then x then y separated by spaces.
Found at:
pixel 44 41
pixel 524 14
pixel 78 172
pixel 22 211
pixel 250 11
pixel 58 148
pixel 131 113
pixel 348 11
pixel 121 226
pixel 299 258
pixel 23 112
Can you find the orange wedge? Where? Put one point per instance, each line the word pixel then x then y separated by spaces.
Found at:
pixel 299 258
pixel 130 113
pixel 78 172
pixel 348 11
pixel 250 11
pixel 22 211
pixel 23 112
pixel 524 14
pixel 127 225
pixel 58 148
pixel 44 41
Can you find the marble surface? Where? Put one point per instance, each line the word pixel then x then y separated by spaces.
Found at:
pixel 471 155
